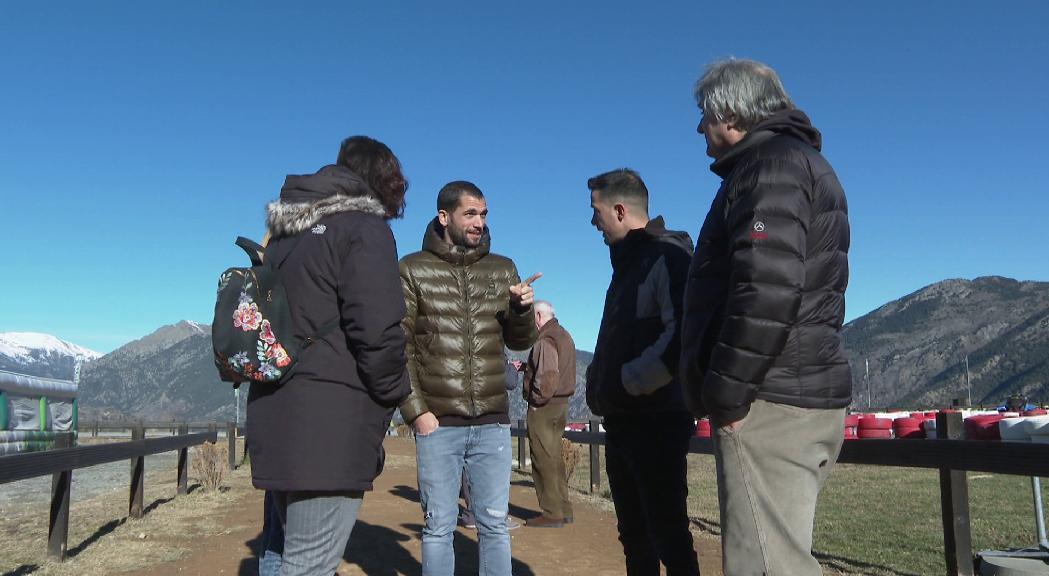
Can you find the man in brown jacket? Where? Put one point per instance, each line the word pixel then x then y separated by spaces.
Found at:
pixel 548 386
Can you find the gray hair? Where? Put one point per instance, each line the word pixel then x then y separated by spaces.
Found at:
pixel 745 89
pixel 545 309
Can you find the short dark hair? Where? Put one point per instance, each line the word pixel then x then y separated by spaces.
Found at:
pixel 376 164
pixel 450 194
pixel 622 185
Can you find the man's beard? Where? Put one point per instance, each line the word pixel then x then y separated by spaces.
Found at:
pixel 459 237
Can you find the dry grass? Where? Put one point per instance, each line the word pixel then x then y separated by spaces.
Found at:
pixel 571 453
pixel 103 540
pixel 210 462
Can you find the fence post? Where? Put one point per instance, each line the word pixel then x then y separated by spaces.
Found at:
pixel 138 472
pixel 595 458
pixel 954 503
pixel 183 465
pixel 58 525
pixel 522 445
pixel 231 437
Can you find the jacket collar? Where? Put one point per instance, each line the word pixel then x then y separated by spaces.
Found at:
pixel 551 324
pixel 433 241
pixel 791 122
pixel 623 250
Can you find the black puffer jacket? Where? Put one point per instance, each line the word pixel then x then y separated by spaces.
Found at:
pixel 766 290
pixel 459 318
pixel 323 428
pixel 634 370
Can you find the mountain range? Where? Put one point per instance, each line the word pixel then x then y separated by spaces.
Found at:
pixel 41 355
pixel 909 353
pixel 917 347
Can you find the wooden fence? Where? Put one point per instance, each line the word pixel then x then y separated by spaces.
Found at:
pixel 950 453
pixel 61 461
pixel 233 431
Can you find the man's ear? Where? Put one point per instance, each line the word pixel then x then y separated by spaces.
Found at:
pixel 730 122
pixel 620 211
pixel 443 217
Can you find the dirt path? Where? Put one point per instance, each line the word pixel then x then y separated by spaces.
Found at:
pixel 386 541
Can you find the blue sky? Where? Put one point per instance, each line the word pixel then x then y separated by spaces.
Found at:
pixel 139 139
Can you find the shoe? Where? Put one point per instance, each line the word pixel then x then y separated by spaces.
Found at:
pixel 545 522
pixel 569 519
pixel 512 524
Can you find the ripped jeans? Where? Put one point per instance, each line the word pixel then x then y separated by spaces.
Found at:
pixel 486 454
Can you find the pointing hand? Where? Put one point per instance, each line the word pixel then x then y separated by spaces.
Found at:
pixel 522 295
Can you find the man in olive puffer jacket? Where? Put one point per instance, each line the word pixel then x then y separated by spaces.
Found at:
pixel 761 346
pixel 464 304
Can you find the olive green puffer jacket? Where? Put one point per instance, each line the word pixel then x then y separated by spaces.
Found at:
pixel 459 318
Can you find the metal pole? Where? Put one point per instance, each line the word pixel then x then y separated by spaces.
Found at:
pixel 231 438
pixel 1039 520
pixel 867 378
pixel 968 385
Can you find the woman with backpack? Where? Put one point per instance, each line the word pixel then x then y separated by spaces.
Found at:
pixel 316 435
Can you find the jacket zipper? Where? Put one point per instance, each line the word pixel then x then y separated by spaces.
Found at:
pixel 469 340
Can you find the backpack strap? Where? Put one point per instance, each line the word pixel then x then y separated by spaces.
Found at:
pixel 253 249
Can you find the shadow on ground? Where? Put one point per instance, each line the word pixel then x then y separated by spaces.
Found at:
pixel 250 566
pixel 409 493
pixel 106 528
pixel 380 551
pixel 23 570
pixel 466 552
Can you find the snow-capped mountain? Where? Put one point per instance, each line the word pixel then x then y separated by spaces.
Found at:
pixel 38 354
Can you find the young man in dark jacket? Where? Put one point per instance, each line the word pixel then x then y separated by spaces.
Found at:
pixel 549 382
pixel 316 437
pixel 464 304
pixel 762 352
pixel 632 380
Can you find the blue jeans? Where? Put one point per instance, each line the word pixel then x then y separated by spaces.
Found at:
pixel 272 538
pixel 442 454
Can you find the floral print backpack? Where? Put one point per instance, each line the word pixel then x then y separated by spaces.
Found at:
pixel 252 331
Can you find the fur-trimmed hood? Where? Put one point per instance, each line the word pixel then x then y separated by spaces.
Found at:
pixel 304 200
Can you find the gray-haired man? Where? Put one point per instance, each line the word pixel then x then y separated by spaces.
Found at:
pixel 548 386
pixel 761 348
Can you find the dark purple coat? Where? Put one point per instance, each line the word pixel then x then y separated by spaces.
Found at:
pixel 322 428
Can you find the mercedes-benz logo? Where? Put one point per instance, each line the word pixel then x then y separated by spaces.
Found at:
pixel 759 226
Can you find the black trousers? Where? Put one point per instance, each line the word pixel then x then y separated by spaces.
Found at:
pixel 646 466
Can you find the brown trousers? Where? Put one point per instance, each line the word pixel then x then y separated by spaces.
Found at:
pixel 546 425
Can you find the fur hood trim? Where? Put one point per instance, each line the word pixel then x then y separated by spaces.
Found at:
pixel 288 219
